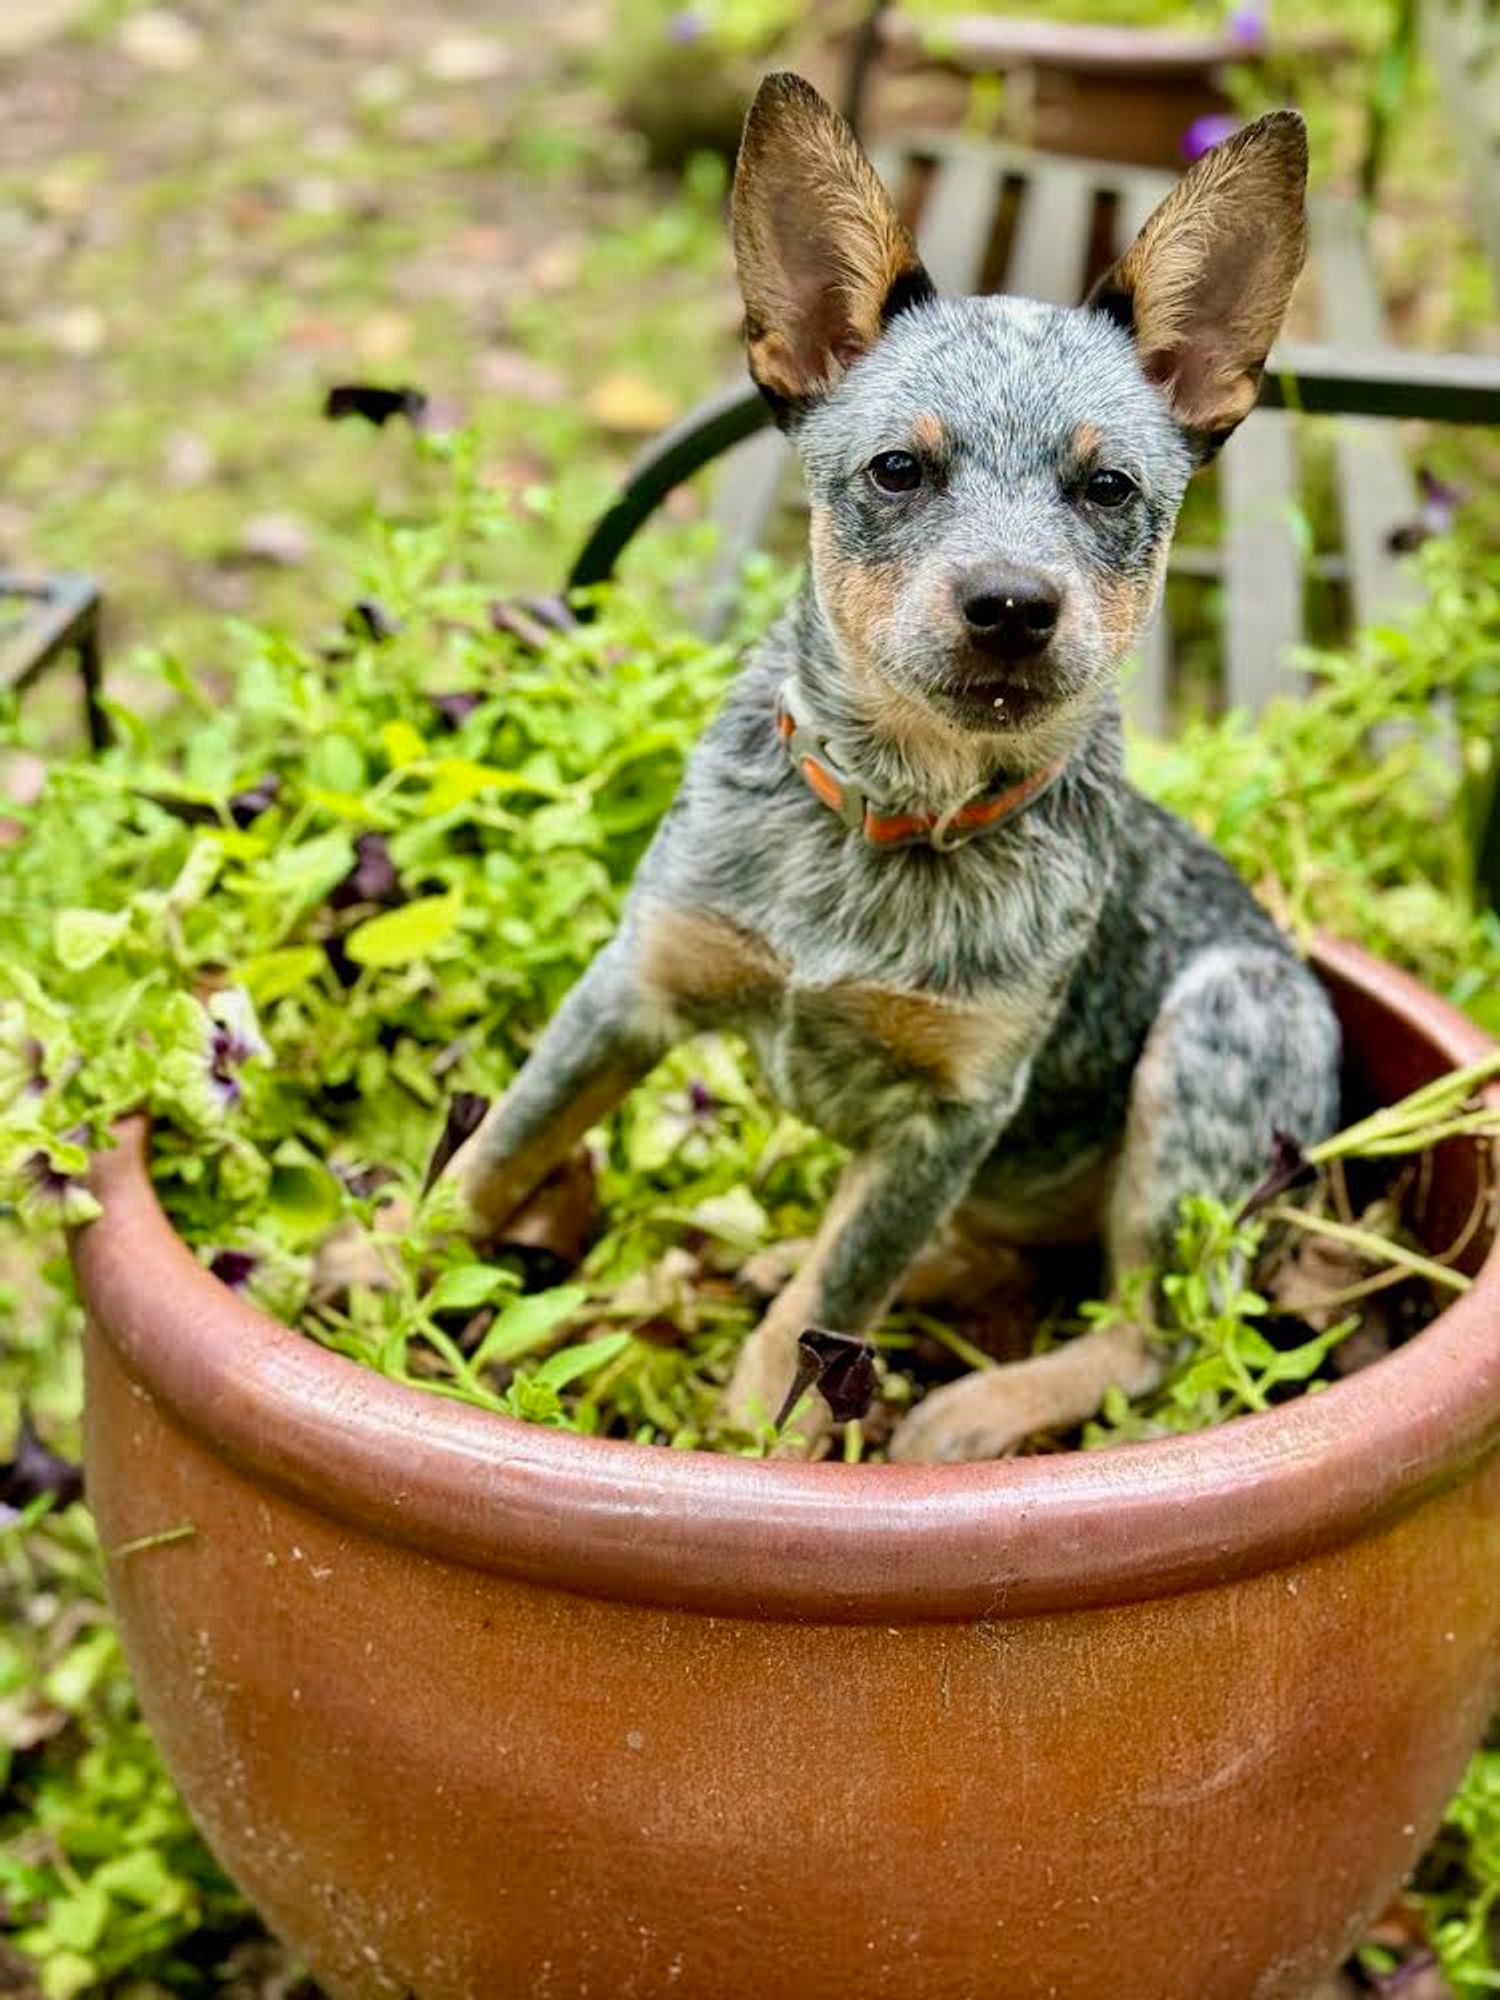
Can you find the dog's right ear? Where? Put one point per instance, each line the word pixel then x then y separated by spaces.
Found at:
pixel 824 259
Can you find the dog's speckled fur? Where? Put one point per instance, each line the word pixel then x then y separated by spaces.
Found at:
pixel 1082 1012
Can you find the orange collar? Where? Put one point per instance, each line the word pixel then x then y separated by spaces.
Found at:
pixel 834 788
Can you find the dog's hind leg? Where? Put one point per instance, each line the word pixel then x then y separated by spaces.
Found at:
pixel 1245 1045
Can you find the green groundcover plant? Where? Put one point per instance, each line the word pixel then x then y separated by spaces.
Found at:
pixel 298 925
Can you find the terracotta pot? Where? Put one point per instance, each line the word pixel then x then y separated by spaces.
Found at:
pixel 476 1709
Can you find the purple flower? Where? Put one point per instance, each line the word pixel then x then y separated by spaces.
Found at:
pixel 55 1196
pixel 1436 511
pixel 234 1039
pixel 35 1058
pixel 686 27
pixel 233 1268
pixel 1211 130
pixel 1247 24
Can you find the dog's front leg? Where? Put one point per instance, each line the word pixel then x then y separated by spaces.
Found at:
pixel 888 1204
pixel 596 1047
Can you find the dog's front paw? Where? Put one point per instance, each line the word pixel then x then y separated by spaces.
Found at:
pixel 983 1416
pixel 990 1414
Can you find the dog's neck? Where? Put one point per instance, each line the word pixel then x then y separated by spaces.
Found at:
pixel 898 749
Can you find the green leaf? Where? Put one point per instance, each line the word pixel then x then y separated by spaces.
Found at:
pixel 82 937
pixel 527 1324
pixel 273 974
pixel 398 937
pixel 572 1364
pixel 466 1287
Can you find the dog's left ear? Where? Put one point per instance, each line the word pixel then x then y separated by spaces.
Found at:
pixel 1204 287
pixel 824 259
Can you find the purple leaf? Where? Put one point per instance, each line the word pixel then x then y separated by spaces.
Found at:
pixel 372 879
pixel 36 1470
pixel 1289 1164
pixel 840 1366
pixel 368 619
pixel 466 1109
pixel 375 404
pixel 247 806
pixel 455 709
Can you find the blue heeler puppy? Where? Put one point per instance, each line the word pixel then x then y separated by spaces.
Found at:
pixel 904 862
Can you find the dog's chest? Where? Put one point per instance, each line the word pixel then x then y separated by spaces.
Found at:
pixel 843 1046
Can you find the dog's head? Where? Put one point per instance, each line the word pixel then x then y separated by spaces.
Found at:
pixel 993 481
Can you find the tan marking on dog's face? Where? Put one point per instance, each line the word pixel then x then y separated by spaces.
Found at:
pixel 928 434
pixel 1087 443
pixel 861 604
pixel 695 958
pixel 958 1049
pixel 860 600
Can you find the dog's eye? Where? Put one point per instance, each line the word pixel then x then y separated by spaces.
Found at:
pixel 1107 488
pixel 895 472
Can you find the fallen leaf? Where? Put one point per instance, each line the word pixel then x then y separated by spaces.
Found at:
pixel 506 371
pixel 282 540
pixel 383 336
pixel 624 402
pixel 159 39
pixel 79 330
pixel 465 58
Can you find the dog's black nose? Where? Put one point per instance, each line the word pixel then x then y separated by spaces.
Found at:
pixel 1011 613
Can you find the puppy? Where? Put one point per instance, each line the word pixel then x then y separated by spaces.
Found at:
pixel 904 862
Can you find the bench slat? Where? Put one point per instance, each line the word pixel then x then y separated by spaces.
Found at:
pixel 957 217
pixel 1376 490
pixel 1263 564
pixel 1139 195
pixel 1046 259
pixel 1148 690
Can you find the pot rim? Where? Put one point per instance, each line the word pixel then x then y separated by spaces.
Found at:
pixel 776 1538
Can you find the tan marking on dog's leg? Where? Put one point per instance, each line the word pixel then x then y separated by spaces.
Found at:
pixel 695 957
pixel 991 1413
pixel 495 1186
pixel 768 1360
pixel 958 1048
